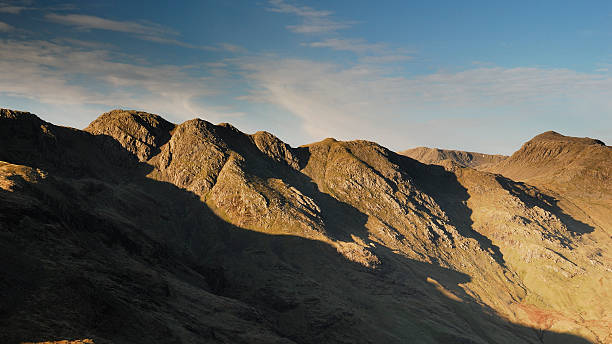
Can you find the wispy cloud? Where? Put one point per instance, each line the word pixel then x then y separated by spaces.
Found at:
pixel 18 6
pixel 87 22
pixel 4 27
pixel 231 47
pixel 60 74
pixel 362 101
pixel 321 22
pixel 383 59
pixel 14 7
pixel 313 21
pixel 144 30
pixel 354 45
pixel 11 9
pixel 82 43
pixel 376 53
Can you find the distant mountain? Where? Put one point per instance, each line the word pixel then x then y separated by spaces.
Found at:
pixel 577 169
pixel 466 159
pixel 138 230
pixel 570 164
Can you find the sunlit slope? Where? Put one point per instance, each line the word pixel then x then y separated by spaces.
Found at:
pixel 140 230
pixel 579 170
pixel 466 159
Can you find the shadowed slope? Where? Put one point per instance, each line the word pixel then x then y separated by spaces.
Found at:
pixel 566 261
pixel 179 248
pixel 577 171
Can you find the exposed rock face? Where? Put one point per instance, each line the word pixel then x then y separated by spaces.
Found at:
pixel 466 159
pixel 200 233
pixel 140 133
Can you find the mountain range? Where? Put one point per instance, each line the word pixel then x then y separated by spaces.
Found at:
pixel 139 230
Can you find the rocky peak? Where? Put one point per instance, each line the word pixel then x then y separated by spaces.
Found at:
pixel 20 131
pixel 228 126
pixel 138 132
pixel 552 136
pixel 14 114
pixel 276 149
pixel 552 147
pixel 570 165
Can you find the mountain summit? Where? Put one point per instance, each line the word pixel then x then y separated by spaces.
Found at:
pixel 138 230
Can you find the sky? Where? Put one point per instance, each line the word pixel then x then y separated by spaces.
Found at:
pixel 482 76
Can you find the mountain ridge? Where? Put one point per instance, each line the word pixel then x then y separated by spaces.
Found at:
pixel 428 155
pixel 338 221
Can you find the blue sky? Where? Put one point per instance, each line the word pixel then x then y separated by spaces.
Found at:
pixel 474 75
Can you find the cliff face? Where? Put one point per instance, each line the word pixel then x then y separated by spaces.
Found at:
pixel 138 230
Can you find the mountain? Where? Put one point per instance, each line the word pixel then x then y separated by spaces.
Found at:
pixel 466 159
pixel 138 230
pixel 577 169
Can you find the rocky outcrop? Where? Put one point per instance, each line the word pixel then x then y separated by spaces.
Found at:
pixel 140 133
pixel 276 149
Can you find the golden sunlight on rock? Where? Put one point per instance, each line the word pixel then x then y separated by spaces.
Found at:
pixel 443 290
pixel 66 341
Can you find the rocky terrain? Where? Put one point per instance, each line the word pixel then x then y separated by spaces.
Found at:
pixel 577 170
pixel 466 159
pixel 138 230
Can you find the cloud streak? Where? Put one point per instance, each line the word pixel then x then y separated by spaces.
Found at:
pixel 17 6
pixel 313 21
pixel 4 27
pixel 147 31
pixel 87 22
pixel 353 45
pixel 367 97
pixel 14 7
pixel 53 73
pixel 321 22
pixel 362 101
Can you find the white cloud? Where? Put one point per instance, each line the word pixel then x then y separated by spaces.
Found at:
pixel 11 9
pixel 143 30
pixel 362 101
pixel 86 22
pixel 354 45
pixel 321 22
pixel 75 75
pixel 382 59
pixel 231 47
pixel 4 27
pixel 313 21
pixel 371 53
pixel 14 7
pixel 18 6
